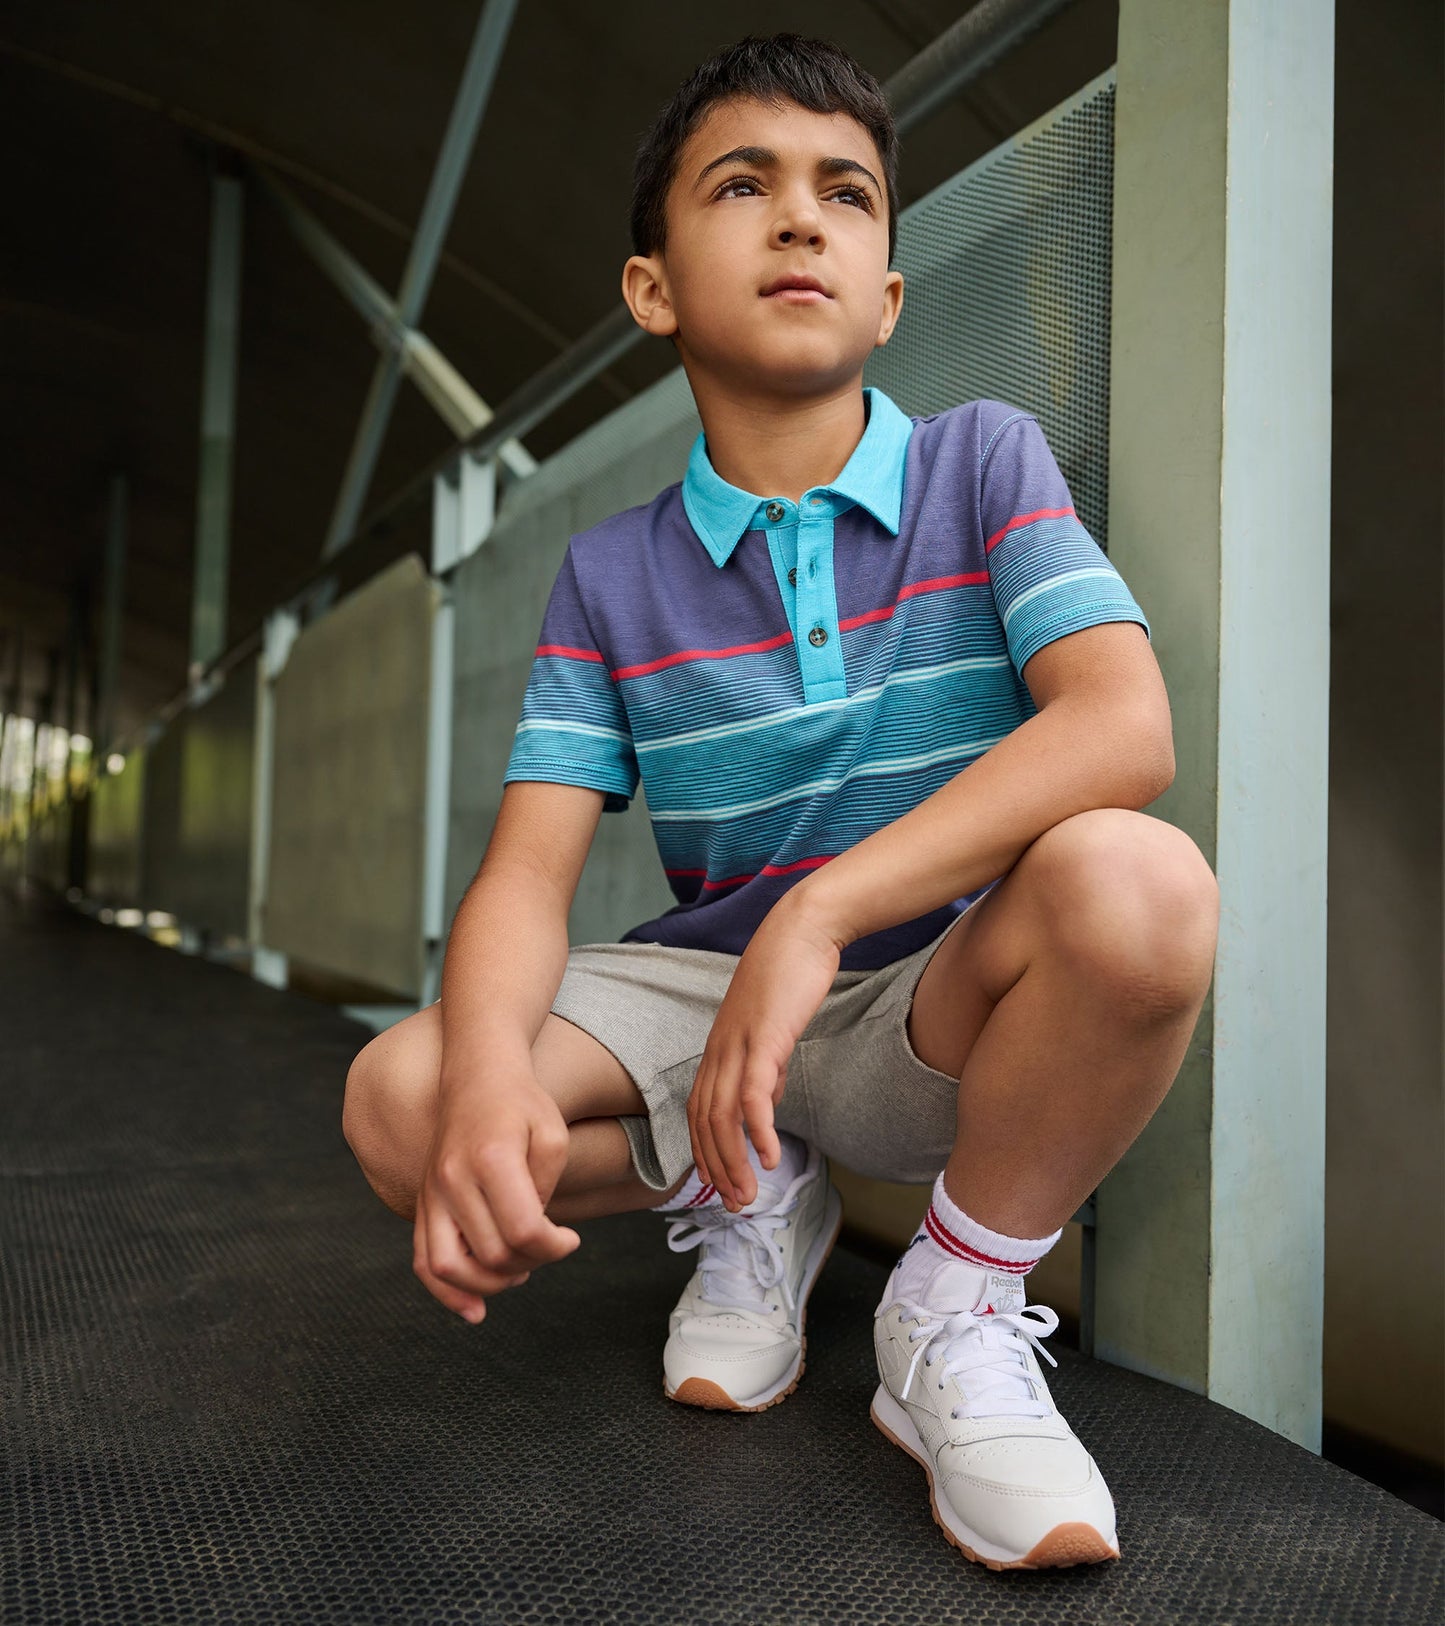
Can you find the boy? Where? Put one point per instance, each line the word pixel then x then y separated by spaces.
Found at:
pixel 897 715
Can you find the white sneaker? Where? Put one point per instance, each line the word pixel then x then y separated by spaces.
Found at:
pixel 735 1341
pixel 963 1393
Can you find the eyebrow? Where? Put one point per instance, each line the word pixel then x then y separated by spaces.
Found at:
pixel 766 158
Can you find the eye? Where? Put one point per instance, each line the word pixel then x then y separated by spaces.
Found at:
pixel 860 197
pixel 737 180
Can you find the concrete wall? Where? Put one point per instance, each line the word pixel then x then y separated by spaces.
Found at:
pixel 196 849
pixel 115 832
pixel 344 884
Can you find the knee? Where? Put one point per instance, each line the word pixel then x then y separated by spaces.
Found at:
pixel 361 1108
pixel 1132 901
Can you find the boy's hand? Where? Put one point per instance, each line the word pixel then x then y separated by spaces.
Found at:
pixel 780 981
pixel 496 1155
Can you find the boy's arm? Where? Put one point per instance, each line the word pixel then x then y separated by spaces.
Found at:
pixel 1102 737
pixel 500 1143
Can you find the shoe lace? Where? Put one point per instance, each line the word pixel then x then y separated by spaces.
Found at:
pixel 741 1262
pixel 991 1349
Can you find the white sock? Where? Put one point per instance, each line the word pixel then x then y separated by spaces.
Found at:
pixel 947 1234
pixel 694 1194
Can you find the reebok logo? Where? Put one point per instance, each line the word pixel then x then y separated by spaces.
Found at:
pixel 1004 1293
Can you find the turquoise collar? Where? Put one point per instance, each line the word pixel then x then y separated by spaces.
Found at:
pixel 722 514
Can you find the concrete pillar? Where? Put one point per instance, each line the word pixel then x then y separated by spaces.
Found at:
pixel 1211 1229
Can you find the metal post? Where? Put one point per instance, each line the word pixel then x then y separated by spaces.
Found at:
pixel 463 512
pixel 426 246
pixel 11 706
pixel 115 541
pixel 437 805
pixel 282 628
pixel 1211 1227
pixel 42 740
pixel 218 425
pixel 76 806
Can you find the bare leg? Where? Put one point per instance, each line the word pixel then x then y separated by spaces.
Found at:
pixel 391 1105
pixel 1065 1003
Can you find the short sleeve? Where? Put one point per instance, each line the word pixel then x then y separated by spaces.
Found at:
pixel 1049 576
pixel 573 729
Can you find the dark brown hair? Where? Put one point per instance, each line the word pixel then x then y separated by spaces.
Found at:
pixel 813 73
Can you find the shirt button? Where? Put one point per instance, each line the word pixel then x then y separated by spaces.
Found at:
pixel 793 578
pixel 775 511
pixel 818 637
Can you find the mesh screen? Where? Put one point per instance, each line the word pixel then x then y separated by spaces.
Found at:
pixel 1007 270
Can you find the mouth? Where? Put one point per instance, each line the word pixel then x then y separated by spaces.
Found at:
pixel 796 290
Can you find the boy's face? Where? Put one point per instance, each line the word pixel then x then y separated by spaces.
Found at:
pixel 806 199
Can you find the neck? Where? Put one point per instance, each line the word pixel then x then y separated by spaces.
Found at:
pixel 778 447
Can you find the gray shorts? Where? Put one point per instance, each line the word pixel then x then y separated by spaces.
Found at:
pixel 855 1089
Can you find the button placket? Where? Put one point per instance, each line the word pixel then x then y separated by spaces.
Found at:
pixel 821 656
pixel 782 540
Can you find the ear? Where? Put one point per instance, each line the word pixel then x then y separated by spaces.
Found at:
pixel 644 287
pixel 892 306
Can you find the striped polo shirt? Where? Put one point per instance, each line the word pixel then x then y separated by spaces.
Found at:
pixel 785 678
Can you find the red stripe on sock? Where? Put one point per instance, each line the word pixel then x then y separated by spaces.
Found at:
pixel 701 1197
pixel 951 1244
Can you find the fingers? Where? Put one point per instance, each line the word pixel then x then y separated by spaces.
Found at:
pixel 474 1240
pixel 726 1096
pixel 758 1097
pixel 512 1231
pixel 725 1119
pixel 429 1236
pixel 442 1256
pixel 704 1153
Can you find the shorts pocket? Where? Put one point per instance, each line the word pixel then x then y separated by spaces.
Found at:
pixel 875 1106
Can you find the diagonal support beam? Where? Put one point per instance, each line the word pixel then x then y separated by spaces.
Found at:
pixel 464 411
pixel 451 167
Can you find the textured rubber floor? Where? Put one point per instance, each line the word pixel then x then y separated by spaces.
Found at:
pixel 226 1398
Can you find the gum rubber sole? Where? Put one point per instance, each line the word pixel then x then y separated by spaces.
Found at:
pixel 713 1397
pixel 704 1392
pixel 1067 1544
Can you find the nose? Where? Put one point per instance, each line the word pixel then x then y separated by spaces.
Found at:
pixel 798 220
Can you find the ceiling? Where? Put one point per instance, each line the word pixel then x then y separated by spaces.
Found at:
pixel 111 118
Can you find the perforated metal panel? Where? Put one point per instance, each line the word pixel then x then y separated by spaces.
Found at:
pixel 1007 273
pixel 226 1397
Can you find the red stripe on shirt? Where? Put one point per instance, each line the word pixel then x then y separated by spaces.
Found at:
pixel 802 863
pixel 569 654
pixel 1027 519
pixel 938 584
pixel 703 655
pixel 767 869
